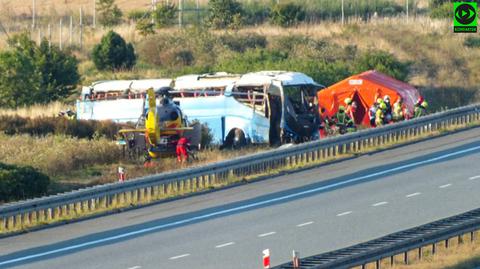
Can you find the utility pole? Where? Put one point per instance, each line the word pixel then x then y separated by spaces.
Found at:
pixel 94 13
pixel 343 14
pixel 198 11
pixel 81 27
pixel 49 36
pixel 71 31
pixel 33 13
pixel 154 8
pixel 407 10
pixel 180 13
pixel 60 45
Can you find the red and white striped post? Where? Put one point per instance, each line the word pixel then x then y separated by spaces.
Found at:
pixel 296 260
pixel 121 174
pixel 266 258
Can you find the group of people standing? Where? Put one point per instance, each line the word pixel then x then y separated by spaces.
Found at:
pixel 381 112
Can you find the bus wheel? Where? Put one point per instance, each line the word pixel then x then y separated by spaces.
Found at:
pixel 235 139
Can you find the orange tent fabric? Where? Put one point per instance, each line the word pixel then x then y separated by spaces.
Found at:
pixel 364 88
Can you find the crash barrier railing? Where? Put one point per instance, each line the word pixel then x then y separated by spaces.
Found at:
pixel 417 239
pixel 93 200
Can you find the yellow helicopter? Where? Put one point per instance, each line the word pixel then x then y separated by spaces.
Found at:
pixel 159 127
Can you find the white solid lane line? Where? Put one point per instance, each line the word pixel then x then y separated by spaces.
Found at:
pixel 474 177
pixel 225 245
pixel 380 203
pixel 413 194
pixel 445 186
pixel 232 210
pixel 135 267
pixel 266 234
pixel 179 256
pixel 344 213
pixel 305 224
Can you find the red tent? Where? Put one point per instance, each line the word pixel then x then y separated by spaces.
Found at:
pixel 365 88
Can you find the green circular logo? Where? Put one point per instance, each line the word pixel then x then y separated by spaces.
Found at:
pixel 465 14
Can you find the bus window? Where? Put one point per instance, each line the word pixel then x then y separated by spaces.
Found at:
pixel 253 97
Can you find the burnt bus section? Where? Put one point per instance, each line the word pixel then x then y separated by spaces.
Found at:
pixel 301 117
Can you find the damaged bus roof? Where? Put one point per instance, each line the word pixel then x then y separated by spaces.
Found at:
pixel 214 80
pixel 140 85
pixel 265 77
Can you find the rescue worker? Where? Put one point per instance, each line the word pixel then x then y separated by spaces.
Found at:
pixel 380 114
pixel 420 108
pixel 398 110
pixel 342 120
pixel 182 149
pixel 324 124
pixel 351 110
pixel 372 112
pixel 388 110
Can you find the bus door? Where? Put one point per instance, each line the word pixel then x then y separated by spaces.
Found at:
pixel 275 112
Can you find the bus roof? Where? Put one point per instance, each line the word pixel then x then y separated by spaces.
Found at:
pixel 286 77
pixel 140 85
pixel 214 80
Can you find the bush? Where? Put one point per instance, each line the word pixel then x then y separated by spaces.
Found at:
pixel 145 27
pixel 441 11
pixel 288 14
pixel 35 74
pixel 381 61
pixel 137 15
pixel 41 126
pixel 240 43
pixel 108 13
pixel 164 15
pixel 113 53
pixel 224 14
pixel 472 42
pixel 21 182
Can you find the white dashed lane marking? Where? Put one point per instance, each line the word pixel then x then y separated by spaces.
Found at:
pixel 344 213
pixel 179 256
pixel 135 267
pixel 266 234
pixel 225 245
pixel 474 177
pixel 445 186
pixel 413 194
pixel 380 203
pixel 305 224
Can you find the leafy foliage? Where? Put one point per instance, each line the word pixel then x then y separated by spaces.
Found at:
pixel 109 13
pixel 382 61
pixel 21 182
pixel 113 53
pixel 224 14
pixel 164 15
pixel 35 74
pixel 287 14
pixel 472 42
pixel 145 27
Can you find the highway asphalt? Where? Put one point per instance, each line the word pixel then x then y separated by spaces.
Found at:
pixel 312 211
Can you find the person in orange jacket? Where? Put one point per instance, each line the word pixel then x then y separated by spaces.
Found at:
pixel 182 149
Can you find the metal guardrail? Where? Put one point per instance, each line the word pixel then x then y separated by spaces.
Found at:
pixel 24 214
pixel 394 244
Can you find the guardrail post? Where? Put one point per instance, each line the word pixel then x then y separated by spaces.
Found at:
pixel 49 212
pixel 56 212
pixel 460 239
pixel 3 222
pixel 434 249
pixel 364 266
pixel 472 236
pixel 405 257
pixel 420 253
pixel 141 195
pixel 377 264
pixel 392 260
pixel 64 211
pixel 18 221
pixel 10 222
pixel 446 243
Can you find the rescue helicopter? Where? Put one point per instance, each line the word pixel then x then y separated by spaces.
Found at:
pixel 159 127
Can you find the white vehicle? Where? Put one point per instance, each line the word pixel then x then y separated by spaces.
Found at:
pixel 263 107
pixel 116 100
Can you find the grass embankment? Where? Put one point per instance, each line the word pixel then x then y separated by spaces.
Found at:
pixel 457 256
pixel 72 163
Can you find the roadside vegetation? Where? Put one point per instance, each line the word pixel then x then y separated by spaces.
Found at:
pixel 227 35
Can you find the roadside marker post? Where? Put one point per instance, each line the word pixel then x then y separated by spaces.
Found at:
pixel 121 174
pixel 266 258
pixel 296 260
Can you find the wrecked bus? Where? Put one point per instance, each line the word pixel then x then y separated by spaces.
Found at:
pixel 272 107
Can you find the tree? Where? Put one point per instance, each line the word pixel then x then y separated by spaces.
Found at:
pixel 164 15
pixel 224 13
pixel 381 61
pixel 287 14
pixel 35 74
pixel 113 53
pixel 109 13
pixel 145 27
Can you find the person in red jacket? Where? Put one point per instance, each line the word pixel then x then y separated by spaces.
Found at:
pixel 182 153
